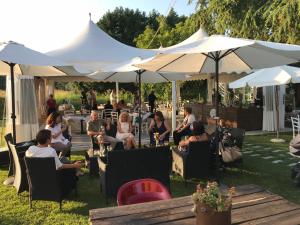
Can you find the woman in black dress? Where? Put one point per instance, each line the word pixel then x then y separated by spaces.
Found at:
pixel 160 126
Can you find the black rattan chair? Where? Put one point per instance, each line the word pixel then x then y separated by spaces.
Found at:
pixel 195 162
pixel 47 183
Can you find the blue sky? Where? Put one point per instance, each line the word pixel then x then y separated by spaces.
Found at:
pixel 180 6
pixel 46 25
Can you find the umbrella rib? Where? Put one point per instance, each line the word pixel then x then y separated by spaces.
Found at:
pixel 209 56
pixel 110 75
pixel 229 51
pixel 203 63
pixel 243 60
pixel 171 62
pixel 164 77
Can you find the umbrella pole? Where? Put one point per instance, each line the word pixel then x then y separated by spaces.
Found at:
pixel 217 83
pixel 140 108
pixel 277 110
pixel 13 105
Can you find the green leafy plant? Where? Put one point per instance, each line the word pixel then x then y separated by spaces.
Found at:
pixel 211 195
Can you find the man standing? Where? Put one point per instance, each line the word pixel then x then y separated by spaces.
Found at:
pixel 51 105
pixel 112 97
pixel 151 100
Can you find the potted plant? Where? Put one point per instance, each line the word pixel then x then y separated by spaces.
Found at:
pixel 211 205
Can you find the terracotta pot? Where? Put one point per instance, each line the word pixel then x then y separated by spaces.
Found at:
pixel 207 216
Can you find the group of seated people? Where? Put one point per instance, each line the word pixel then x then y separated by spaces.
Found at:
pixel 159 129
pixel 51 141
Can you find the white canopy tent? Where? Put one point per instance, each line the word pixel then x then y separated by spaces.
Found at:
pixel 276 77
pixel 93 49
pixel 219 53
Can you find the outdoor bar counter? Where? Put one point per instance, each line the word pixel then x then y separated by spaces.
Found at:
pixel 247 118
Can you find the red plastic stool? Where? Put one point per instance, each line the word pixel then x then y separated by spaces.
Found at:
pixel 143 190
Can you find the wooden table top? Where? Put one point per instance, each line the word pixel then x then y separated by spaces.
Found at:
pixel 251 205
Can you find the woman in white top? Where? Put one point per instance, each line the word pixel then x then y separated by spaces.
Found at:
pixel 124 130
pixel 58 142
pixel 184 129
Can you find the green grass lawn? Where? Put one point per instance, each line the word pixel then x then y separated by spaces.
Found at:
pixel 275 177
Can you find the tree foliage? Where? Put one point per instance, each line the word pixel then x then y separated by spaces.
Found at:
pixel 272 20
pixel 126 24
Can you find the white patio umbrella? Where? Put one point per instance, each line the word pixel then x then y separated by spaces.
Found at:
pixel 270 77
pixel 125 72
pixel 17 59
pixel 220 53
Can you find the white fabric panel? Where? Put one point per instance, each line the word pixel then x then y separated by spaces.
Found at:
pixel 26 108
pixel 269 120
pixel 269 111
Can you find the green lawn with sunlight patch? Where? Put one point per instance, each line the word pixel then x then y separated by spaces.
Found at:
pixel 274 177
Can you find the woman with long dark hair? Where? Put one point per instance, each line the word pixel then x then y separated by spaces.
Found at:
pixel 58 142
pixel 160 126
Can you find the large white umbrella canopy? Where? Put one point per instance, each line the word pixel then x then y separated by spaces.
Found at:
pixel 234 55
pixel 220 53
pixel 17 59
pixel 30 62
pixel 94 49
pixel 273 76
pixel 125 72
pixel 270 77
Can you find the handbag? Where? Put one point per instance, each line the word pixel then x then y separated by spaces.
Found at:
pixel 230 154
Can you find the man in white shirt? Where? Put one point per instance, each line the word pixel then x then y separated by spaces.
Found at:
pixel 42 150
pixel 184 129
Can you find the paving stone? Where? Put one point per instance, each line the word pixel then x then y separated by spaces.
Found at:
pixel 277 151
pixel 255 155
pixel 247 152
pixel 268 157
pixel 256 146
pixel 282 155
pixel 292 164
pixel 268 148
pixel 277 161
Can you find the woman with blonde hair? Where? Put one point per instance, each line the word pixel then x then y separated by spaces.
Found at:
pixel 124 130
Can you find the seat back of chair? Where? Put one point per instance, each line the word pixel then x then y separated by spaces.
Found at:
pixel 197 163
pixel 20 181
pixel 295 125
pixel 142 190
pixel 125 166
pixel 238 134
pixel 9 139
pixel 42 179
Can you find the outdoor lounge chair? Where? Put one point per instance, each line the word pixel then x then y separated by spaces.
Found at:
pixel 124 166
pixel 143 190
pixel 195 162
pixel 20 180
pixel 46 183
pixel 20 148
